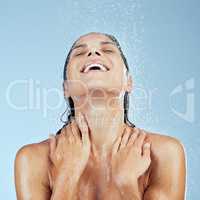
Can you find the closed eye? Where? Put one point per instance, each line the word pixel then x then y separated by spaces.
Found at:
pixel 108 51
pixel 105 51
pixel 79 54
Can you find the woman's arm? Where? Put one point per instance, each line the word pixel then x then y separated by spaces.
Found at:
pixel 168 173
pixel 31 177
pixel 130 159
pixel 65 189
pixel 67 157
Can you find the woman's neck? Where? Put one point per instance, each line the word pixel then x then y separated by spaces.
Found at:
pixel 105 117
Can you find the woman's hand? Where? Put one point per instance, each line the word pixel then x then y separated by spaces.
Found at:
pixel 69 153
pixel 130 157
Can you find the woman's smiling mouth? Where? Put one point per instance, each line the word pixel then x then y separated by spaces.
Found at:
pixel 95 67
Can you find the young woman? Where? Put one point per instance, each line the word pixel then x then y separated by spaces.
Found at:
pixel 99 153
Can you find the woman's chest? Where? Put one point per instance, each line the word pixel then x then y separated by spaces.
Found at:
pixel 95 180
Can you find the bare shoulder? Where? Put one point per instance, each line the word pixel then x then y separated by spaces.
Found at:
pixel 31 169
pixel 32 160
pixel 33 152
pixel 36 153
pixel 167 169
pixel 163 145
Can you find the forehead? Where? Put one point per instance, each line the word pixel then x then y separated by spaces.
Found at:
pixel 93 38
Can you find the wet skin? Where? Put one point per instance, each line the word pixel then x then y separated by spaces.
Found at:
pixel 164 179
pixel 111 161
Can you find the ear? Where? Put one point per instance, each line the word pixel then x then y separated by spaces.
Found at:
pixel 129 86
pixel 65 89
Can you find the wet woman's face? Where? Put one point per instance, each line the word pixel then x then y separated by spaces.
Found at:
pixel 95 63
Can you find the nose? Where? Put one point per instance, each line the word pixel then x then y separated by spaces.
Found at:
pixel 94 53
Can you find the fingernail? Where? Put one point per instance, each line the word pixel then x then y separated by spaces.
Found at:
pixel 147 145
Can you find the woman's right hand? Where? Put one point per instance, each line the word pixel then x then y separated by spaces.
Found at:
pixel 69 152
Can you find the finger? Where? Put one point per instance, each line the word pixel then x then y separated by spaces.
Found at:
pixel 86 135
pixel 64 138
pixel 65 130
pixel 94 150
pixel 72 136
pixel 125 137
pixel 140 139
pixel 75 125
pixel 52 144
pixel 75 130
pixel 116 145
pixel 84 129
pixel 146 150
pixel 133 137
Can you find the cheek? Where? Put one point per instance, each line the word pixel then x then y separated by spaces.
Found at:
pixel 72 71
pixel 118 69
pixel 119 75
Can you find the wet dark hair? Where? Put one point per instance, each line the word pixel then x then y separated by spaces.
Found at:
pixel 70 102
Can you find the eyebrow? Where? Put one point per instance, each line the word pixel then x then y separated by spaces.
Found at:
pixel 85 45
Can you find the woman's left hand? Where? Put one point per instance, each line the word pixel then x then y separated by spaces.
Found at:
pixel 130 157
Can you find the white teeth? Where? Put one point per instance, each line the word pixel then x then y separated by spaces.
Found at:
pixel 87 68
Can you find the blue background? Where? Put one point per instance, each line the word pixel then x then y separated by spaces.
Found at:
pixel 162 45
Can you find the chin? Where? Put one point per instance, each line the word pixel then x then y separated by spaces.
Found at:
pixel 96 87
pixel 101 87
